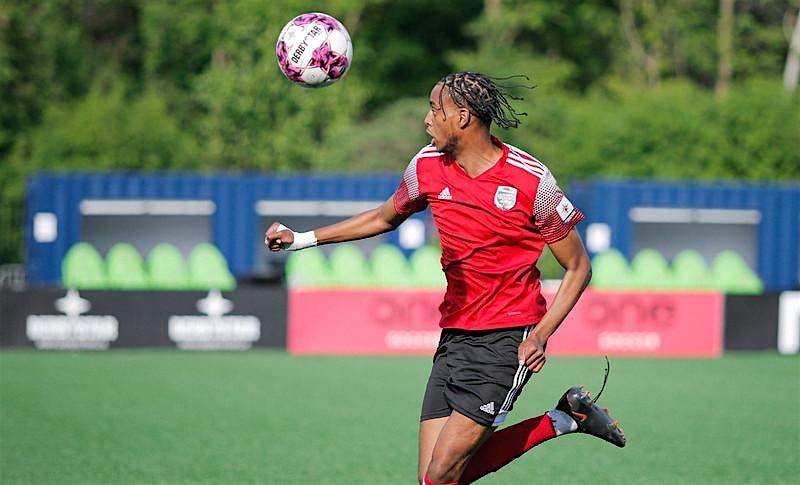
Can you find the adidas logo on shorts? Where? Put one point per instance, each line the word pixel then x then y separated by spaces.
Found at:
pixel 488 408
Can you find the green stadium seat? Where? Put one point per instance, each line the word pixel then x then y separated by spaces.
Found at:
pixel 125 268
pixel 691 271
pixel 733 275
pixel 610 270
pixel 349 266
pixel 209 269
pixel 390 267
pixel 651 270
pixel 167 269
pixel 426 267
pixel 82 268
pixel 308 268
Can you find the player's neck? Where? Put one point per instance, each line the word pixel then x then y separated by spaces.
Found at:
pixel 477 154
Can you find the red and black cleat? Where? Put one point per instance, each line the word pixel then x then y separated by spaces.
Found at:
pixel 591 418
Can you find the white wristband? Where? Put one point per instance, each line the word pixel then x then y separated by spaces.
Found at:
pixel 302 240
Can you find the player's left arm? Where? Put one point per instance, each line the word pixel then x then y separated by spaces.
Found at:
pixel 570 253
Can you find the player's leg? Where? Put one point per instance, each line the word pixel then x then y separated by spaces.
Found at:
pixel 483 379
pixel 429 430
pixel 508 444
pixel 511 442
pixel 458 440
pixel 435 408
pixel 575 412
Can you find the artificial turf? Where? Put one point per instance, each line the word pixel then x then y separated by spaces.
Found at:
pixel 267 417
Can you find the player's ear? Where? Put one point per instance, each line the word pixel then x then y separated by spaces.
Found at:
pixel 464 117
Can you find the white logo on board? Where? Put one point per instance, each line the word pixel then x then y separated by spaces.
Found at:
pixel 505 197
pixel 215 330
pixel 72 330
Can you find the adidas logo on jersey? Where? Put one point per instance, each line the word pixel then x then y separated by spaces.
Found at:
pixel 488 408
pixel 445 194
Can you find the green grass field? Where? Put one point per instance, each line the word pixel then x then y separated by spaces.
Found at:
pixel 266 417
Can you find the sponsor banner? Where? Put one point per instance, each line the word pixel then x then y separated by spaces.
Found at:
pixel 363 321
pixel 642 324
pixel 214 329
pixel 406 322
pixel 194 320
pixel 72 329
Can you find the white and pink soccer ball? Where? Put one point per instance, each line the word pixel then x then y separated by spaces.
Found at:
pixel 314 50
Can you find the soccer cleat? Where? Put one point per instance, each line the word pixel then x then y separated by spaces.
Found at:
pixel 590 417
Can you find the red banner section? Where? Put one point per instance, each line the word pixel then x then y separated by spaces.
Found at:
pixel 363 321
pixel 603 323
pixel 642 324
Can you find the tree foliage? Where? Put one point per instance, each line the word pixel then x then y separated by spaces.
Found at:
pixel 107 130
pixel 678 132
pixel 623 87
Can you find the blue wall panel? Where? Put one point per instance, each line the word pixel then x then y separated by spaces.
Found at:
pixel 235 221
pixel 234 195
pixel 610 202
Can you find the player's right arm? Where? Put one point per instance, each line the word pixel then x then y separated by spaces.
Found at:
pixel 379 220
pixel 406 200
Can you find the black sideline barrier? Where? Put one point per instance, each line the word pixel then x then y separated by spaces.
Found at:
pixel 257 317
pixel 197 320
pixel 751 322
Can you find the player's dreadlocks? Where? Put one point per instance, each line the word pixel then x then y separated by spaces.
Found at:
pixel 483 97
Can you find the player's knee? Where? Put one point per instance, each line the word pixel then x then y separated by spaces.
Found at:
pixel 444 470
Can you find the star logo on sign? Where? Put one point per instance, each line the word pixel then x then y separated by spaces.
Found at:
pixel 72 305
pixel 214 305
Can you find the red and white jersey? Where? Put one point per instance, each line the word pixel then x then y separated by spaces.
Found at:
pixel 492 229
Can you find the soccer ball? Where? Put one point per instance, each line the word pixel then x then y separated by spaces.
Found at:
pixel 314 50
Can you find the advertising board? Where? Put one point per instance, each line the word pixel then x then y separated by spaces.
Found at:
pixel 406 322
pixel 98 320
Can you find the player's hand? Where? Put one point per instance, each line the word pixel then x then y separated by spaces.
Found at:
pixel 278 237
pixel 531 353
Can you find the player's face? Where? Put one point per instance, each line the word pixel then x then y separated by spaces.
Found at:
pixel 442 120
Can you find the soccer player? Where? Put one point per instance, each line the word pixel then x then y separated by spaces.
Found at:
pixel 495 207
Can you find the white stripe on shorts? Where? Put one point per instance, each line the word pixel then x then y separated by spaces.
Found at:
pixel 516 386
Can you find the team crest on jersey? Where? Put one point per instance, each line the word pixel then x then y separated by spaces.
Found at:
pixel 505 197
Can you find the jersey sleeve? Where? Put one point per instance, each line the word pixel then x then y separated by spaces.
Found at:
pixel 553 214
pixel 407 197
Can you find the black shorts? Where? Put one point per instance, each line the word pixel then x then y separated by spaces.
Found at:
pixel 477 374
